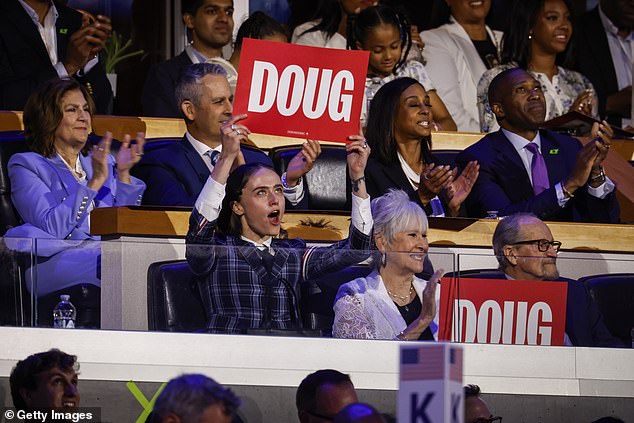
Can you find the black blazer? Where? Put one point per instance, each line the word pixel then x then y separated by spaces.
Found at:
pixel 158 93
pixel 594 60
pixel 24 61
pixel 176 174
pixel 504 184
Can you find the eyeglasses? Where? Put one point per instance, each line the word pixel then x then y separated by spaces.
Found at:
pixel 542 244
pixel 320 416
pixel 496 419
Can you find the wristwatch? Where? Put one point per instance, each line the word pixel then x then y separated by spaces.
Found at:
pixel 284 182
pixel 600 177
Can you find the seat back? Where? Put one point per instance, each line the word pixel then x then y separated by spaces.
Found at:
pixel 327 185
pixel 173 300
pixel 614 295
pixel 477 273
pixel 11 142
pixel 446 156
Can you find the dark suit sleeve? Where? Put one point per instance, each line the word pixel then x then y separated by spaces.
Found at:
pixel 163 185
pixel 200 251
pixel 487 194
pixel 158 97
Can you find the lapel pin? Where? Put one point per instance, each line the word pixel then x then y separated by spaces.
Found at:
pixel 554 151
pixel 63 30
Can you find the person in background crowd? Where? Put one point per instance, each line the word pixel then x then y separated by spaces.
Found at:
pixel 261 27
pixel 605 44
pixel 538 41
pixel 475 409
pixel 323 394
pixel 42 40
pixel 527 169
pixel 399 132
pixel 359 413
pixel 460 51
pixel 55 188
pixel 210 24
pixel 329 26
pixel 45 381
pixel 385 33
pixel 176 174
pixel 195 398
pixel 525 250
pixel 391 302
pixel 249 283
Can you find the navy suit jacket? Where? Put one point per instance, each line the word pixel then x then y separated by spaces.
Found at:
pixel 594 60
pixel 158 93
pixel 176 174
pixel 504 184
pixel 24 61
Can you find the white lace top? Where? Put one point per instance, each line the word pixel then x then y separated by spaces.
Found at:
pixel 364 310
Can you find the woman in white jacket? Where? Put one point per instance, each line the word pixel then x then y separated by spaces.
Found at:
pixel 391 302
pixel 459 52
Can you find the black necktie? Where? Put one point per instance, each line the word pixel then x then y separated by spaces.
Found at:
pixel 267 259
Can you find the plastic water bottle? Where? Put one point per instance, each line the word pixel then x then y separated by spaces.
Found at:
pixel 64 313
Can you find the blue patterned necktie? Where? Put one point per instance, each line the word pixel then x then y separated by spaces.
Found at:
pixel 213 156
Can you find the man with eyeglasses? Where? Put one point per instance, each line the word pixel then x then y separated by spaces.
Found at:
pixel 323 394
pixel 525 250
pixel 475 409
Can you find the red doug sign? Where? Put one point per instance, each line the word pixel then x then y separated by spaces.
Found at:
pixel 493 311
pixel 301 92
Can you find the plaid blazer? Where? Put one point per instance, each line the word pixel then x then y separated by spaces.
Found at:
pixel 233 280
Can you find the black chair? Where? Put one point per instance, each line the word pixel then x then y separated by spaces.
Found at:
pixel 11 142
pixel 614 295
pixel 446 156
pixel 327 186
pixel 477 273
pixel 173 300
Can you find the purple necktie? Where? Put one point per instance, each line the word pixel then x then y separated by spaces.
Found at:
pixel 538 169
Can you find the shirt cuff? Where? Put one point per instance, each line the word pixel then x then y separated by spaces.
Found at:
pixel 209 200
pixel 561 197
pixel 294 194
pixel 602 190
pixel 361 214
pixel 91 64
pixel 61 70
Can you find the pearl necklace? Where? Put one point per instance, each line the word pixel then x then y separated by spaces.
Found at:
pixel 403 298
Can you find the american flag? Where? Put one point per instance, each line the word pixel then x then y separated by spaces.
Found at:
pixel 428 363
pixel 455 364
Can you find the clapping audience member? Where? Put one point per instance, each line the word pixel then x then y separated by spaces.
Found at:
pixel 329 26
pixel 385 33
pixel 247 277
pixel 475 409
pixel 391 302
pixel 359 412
pixel 525 250
pixel 527 169
pixel 259 26
pixel 399 132
pixel 323 394
pixel 538 41
pixel 195 398
pixel 55 187
pixel 604 38
pixel 459 52
pixel 45 381
pixel 210 26
pixel 176 174
pixel 43 40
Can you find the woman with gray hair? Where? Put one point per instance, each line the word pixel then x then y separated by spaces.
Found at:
pixel 391 302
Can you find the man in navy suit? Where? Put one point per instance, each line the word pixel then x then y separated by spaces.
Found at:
pixel 563 181
pixel 41 40
pixel 210 27
pixel 176 174
pixel 525 250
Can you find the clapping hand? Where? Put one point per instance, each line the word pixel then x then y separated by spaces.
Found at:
pixel 584 103
pixel 303 162
pixel 129 154
pixel 433 179
pixel 99 156
pixel 458 190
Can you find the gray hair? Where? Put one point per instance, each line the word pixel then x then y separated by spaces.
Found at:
pixel 394 212
pixel 508 231
pixel 189 84
pixel 188 396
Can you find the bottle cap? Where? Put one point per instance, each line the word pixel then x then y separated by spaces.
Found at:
pixel 64 297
